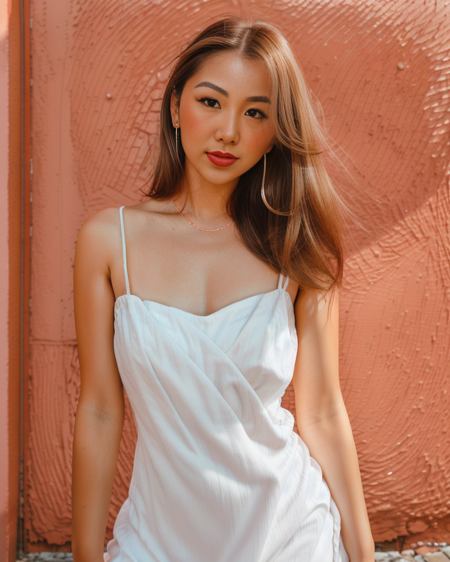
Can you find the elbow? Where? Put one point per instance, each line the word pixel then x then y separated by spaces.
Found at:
pixel 326 413
pixel 101 412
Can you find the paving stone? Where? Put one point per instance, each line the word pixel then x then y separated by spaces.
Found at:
pixel 408 555
pixel 46 557
pixel 422 550
pixel 435 557
pixel 382 556
pixel 394 555
pixel 446 551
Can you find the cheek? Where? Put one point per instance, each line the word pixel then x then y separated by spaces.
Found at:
pixel 256 141
pixel 191 123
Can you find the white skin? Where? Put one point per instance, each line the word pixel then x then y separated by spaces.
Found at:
pixel 171 262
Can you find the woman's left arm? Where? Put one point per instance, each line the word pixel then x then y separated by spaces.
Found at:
pixel 322 418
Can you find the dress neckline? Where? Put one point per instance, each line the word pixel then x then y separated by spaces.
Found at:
pixel 212 314
pixel 282 286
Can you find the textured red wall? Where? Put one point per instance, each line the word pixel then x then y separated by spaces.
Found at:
pixel 11 245
pixel 381 71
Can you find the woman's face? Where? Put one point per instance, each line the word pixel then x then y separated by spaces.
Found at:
pixel 224 118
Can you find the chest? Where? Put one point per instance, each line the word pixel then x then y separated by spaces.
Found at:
pixel 198 274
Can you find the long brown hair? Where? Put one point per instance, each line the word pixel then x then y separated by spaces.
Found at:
pixel 300 235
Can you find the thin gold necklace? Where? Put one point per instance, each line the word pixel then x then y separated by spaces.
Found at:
pixel 194 225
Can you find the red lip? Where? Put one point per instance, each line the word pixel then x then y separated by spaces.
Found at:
pixel 223 154
pixel 222 159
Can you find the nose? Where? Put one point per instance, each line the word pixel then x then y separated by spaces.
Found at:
pixel 228 128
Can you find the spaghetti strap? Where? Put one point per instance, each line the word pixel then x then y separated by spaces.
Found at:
pixel 280 282
pixel 124 250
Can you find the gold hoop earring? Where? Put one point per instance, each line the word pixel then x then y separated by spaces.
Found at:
pixel 263 196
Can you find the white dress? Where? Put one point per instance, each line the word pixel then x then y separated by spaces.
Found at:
pixel 219 474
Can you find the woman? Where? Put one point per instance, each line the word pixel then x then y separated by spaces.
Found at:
pixel 205 301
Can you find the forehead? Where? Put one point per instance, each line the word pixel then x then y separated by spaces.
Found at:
pixel 234 73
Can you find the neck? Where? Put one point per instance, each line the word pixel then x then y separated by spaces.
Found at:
pixel 207 201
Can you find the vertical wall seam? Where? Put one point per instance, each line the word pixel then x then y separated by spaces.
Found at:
pixel 20 526
pixel 25 255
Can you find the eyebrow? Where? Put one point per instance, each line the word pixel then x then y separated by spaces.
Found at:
pixel 262 99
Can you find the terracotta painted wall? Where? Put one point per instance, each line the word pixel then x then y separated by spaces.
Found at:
pixel 10 276
pixel 381 71
pixel 4 272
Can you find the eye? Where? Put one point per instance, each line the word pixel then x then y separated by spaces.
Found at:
pixel 256 114
pixel 209 102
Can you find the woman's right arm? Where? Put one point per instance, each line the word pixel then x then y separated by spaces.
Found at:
pixel 100 411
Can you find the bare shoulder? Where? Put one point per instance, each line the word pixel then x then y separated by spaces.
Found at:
pixel 99 226
pixel 101 230
pixel 100 234
pixel 315 307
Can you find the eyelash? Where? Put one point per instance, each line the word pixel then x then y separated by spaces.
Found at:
pixel 203 100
